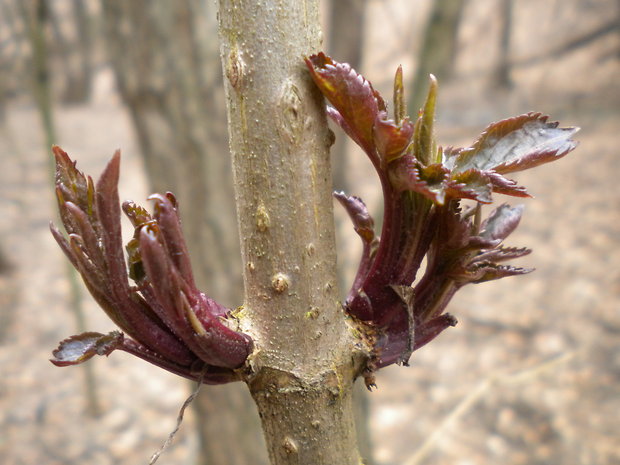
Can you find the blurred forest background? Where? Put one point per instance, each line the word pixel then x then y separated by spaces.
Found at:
pixel 531 375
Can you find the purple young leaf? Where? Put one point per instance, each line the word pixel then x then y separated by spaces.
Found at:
pixel 77 349
pixel 408 174
pixel 364 227
pixel 505 186
pixel 480 272
pixel 501 254
pixel 363 223
pixel 190 314
pixel 167 216
pixel 501 222
pixel 72 185
pixel 351 95
pixel 516 144
pixel 406 295
pixel 139 320
pixel 136 214
pixel 398 342
pixel 391 139
pixel 429 330
pixel 470 184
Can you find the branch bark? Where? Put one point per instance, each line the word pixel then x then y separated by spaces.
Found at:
pixel 304 362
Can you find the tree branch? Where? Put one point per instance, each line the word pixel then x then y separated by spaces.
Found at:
pixel 304 363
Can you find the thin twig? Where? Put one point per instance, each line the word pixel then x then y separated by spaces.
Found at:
pixel 171 436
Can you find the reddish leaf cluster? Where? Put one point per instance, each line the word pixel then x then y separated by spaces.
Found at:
pixel 170 322
pixel 423 186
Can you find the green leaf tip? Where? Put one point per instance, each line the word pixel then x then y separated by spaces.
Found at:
pixel 424 137
pixel 400 106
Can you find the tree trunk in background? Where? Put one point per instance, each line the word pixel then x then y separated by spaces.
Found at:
pixel 438 49
pixel 346 44
pixel 501 78
pixel 346 40
pixel 36 18
pixel 166 58
pixel 305 358
pixel 73 46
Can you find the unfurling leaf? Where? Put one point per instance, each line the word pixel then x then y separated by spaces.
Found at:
pixel 392 139
pixel 470 184
pixel 501 222
pixel 480 272
pixel 168 321
pixel 77 349
pixel 502 185
pixel 423 186
pixel 351 95
pixel 516 144
pixel 363 223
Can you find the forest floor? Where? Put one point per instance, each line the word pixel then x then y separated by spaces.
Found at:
pixel 530 375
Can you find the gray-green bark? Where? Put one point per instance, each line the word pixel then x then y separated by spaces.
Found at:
pixel 303 365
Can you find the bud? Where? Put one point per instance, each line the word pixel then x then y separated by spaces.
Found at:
pixel 423 186
pixel 170 323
